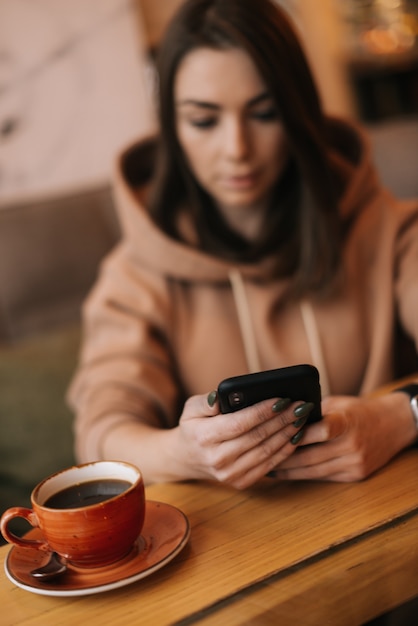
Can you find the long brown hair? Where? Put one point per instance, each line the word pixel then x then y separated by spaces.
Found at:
pixel 302 225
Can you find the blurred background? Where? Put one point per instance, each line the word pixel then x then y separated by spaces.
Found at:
pixel 74 77
pixel 76 82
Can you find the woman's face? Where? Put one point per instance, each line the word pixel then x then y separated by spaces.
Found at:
pixel 228 127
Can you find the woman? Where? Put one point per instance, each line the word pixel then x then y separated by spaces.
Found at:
pixel 255 235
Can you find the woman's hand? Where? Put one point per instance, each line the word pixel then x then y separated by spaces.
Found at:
pixel 238 448
pixel 356 437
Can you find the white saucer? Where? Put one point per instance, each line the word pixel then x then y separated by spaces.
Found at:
pixel 165 533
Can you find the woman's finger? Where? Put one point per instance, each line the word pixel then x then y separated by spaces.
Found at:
pixel 255 462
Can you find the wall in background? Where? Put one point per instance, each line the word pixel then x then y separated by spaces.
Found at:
pixel 73 90
pixel 323 33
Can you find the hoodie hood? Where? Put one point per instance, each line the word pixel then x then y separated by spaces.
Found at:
pixel 350 156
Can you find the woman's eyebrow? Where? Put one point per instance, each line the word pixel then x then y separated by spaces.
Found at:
pixel 260 98
pixel 212 106
pixel 198 103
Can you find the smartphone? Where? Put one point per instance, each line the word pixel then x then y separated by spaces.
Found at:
pixel 297 382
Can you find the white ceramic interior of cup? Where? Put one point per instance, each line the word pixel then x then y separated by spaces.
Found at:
pixel 84 473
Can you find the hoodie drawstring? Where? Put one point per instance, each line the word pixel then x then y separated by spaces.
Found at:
pixel 248 335
pixel 315 346
pixel 245 322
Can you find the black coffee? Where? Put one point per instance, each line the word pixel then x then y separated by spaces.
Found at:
pixel 86 494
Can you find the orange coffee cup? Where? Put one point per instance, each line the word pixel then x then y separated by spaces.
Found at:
pixel 89 514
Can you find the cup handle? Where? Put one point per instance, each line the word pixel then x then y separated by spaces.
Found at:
pixel 29 516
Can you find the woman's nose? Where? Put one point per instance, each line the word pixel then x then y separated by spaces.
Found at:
pixel 236 140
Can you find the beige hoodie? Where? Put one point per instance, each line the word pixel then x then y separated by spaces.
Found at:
pixel 166 321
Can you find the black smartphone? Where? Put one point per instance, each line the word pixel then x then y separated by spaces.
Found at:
pixel 297 382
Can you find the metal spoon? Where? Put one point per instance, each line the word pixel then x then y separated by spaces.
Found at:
pixel 55 567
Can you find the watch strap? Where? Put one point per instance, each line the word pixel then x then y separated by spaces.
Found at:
pixel 412 392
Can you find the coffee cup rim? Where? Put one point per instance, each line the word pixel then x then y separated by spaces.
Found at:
pixel 84 472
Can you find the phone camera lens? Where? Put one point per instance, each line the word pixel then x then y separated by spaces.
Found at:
pixel 235 398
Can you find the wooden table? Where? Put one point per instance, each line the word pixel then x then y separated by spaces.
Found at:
pixel 291 553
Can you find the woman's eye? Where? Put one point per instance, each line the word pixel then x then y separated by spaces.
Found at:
pixel 206 122
pixel 267 115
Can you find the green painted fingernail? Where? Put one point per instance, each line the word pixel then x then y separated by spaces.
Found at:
pixel 281 404
pixel 303 409
pixel 212 397
pixel 301 421
pixel 296 438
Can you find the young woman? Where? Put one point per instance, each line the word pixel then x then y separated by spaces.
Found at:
pixel 256 235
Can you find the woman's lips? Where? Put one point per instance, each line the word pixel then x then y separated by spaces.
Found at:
pixel 239 182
